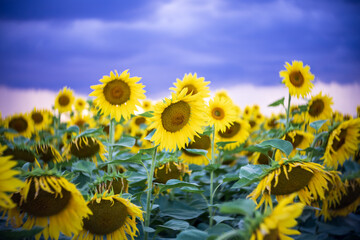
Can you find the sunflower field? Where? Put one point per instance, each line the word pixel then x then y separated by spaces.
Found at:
pixel 191 166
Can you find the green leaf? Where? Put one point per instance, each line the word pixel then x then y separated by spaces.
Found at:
pixel 231 177
pixel 133 159
pixel 223 144
pixel 220 219
pixel 149 136
pixel 73 128
pixel 240 206
pixel 212 167
pixel 317 124
pixel 277 102
pixel 20 233
pixel 147 114
pixel 219 229
pixel 176 225
pixel 149 229
pixel 191 190
pixel 148 150
pixel 249 174
pixel 196 151
pixel 84 166
pixel 258 148
pixel 91 132
pixel 192 234
pixel 175 183
pixel 181 213
pixel 125 142
pixel 284 146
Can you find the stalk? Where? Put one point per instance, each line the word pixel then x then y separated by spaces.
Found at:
pixel 211 220
pixel 111 141
pixel 288 113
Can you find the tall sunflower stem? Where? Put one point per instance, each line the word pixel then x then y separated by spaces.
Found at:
pixel 149 191
pixel 211 220
pixel 57 130
pixel 111 142
pixel 288 112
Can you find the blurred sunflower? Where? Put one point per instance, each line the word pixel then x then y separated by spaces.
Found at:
pixel 247 113
pixel 297 78
pixel 147 105
pixel 177 120
pixel 50 202
pixel 342 143
pixel 193 84
pixel 48 153
pixel 85 148
pixel 237 132
pixel 298 139
pixel 309 180
pixel 80 104
pixel 277 224
pixel 298 116
pixel 201 142
pixel 21 123
pixel 221 113
pixel 8 183
pixel 319 108
pixel 272 122
pixel 260 158
pixel 358 111
pixel 118 184
pixel 170 170
pixel 82 121
pixel 118 95
pixel 22 153
pixel 105 124
pixel 138 123
pixel 113 218
pixel 41 119
pixel 222 94
pixel 64 100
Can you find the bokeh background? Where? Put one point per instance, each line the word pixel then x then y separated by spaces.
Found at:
pixel 237 45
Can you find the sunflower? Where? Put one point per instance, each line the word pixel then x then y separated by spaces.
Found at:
pixel 170 170
pixel 40 118
pixel 272 122
pixel 319 108
pixel 147 105
pixel 21 123
pixel 105 124
pixel 201 142
pixel 21 154
pixel 64 100
pixel 118 95
pixel 297 78
pixel 298 139
pixel 193 84
pixel 177 120
pixel 221 113
pixel 358 111
pixel 82 121
pixel 8 183
pixel 247 113
pixel 138 123
pixel 342 143
pixel 298 117
pixel 261 158
pixel 113 218
pixel 117 184
pixel 222 94
pixel 309 180
pixel 50 202
pixel 85 148
pixel 238 132
pixel 80 104
pixel 277 224
pixel 48 153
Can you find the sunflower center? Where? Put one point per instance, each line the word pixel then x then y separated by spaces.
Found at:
pixel 263 159
pixel 107 129
pixel 86 147
pixel 19 124
pixel 353 192
pixel 45 153
pixel 316 108
pixel 37 117
pixel 202 142
pixel 119 185
pixel 176 116
pixel 43 203
pixel 272 123
pixel 272 235
pixel 294 141
pixel 140 120
pixel 20 154
pixel 80 123
pixel 218 113
pixel 64 100
pixel 191 89
pixel 117 92
pixel 298 179
pixel 169 171
pixel 252 123
pixel 338 143
pixel 107 217
pixel 230 131
pixel 297 79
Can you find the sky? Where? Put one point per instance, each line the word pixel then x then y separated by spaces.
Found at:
pixel 48 44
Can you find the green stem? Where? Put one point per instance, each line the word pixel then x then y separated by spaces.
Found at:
pixel 111 142
pixel 57 123
pixel 211 220
pixel 149 191
pixel 288 113
pixel 234 234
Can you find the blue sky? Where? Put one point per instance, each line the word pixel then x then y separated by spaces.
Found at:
pixel 48 44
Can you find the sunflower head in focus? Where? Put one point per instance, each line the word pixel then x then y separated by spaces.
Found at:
pixel 8 182
pixel 170 170
pixel 21 123
pixel 51 202
pixel 221 113
pixel 177 120
pixel 277 224
pixel 342 143
pixel 238 132
pixel 113 217
pixel 118 95
pixel 202 142
pixel 80 104
pixel 193 84
pixel 319 108
pixel 297 78
pixel 40 118
pixel 48 153
pixel 64 100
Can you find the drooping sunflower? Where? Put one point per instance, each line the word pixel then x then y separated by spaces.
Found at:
pixel 194 85
pixel 221 113
pixel 113 217
pixel 277 224
pixel 48 153
pixel 8 182
pixel 201 142
pixel 170 170
pixel 80 104
pixel 177 120
pixel 342 143
pixel 260 158
pixel 118 95
pixel 319 108
pixel 21 153
pixel 238 132
pixel 297 78
pixel 40 118
pixel 85 148
pixel 307 179
pixel 298 139
pixel 64 100
pixel 51 202
pixel 114 182
pixel 82 121
pixel 21 123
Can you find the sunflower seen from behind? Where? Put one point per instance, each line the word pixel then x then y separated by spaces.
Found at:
pixel 64 100
pixel 118 95
pixel 221 113
pixel 297 78
pixel 193 84
pixel 177 120
pixel 319 108
pixel 22 125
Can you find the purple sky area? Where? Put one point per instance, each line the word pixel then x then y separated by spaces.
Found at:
pixel 49 44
